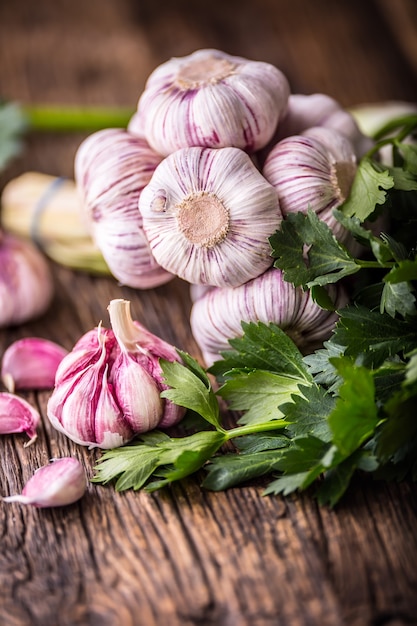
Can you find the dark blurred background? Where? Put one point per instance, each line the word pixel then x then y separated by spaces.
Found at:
pixel 101 51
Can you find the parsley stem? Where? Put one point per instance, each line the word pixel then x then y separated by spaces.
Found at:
pixel 249 429
pixel 65 118
pixel 375 264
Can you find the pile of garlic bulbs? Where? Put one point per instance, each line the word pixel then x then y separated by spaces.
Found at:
pixel 217 154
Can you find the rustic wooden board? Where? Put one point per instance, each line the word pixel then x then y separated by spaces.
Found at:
pixel 187 556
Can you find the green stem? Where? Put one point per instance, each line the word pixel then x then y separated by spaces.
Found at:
pixel 249 429
pixel 75 118
pixel 374 264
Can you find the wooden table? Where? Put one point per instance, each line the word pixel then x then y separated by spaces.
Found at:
pixel 184 555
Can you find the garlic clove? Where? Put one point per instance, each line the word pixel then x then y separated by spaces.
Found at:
pixel 60 483
pixel 141 351
pixel 217 316
pixel 26 286
pixel 111 168
pixel 211 99
pixel 31 363
pixel 208 215
pixel 18 416
pixel 313 170
pixel 137 393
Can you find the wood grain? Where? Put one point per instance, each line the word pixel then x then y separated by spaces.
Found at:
pixel 185 556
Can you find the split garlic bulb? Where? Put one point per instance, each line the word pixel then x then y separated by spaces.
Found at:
pixel 217 316
pixel 212 99
pixel 111 168
pixel 318 109
pixel 107 389
pixel 313 170
pixel 26 285
pixel 208 214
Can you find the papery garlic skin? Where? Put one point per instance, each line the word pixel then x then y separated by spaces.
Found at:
pixel 60 483
pixel 107 389
pixel 208 215
pixel 18 416
pixel 26 284
pixel 111 169
pixel 314 170
pixel 318 109
pixel 31 363
pixel 217 316
pixel 211 99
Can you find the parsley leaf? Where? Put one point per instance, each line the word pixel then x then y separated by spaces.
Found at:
pixel 190 387
pixel 259 393
pixel 157 455
pixel 324 261
pixel 368 189
pixel 355 416
pixel 372 335
pixel 266 347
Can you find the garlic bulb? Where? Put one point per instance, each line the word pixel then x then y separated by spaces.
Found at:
pixel 31 363
pixel 107 389
pixel 208 215
pixel 61 482
pixel 313 170
pixel 216 317
pixel 111 169
pixel 318 109
pixel 211 99
pixel 26 285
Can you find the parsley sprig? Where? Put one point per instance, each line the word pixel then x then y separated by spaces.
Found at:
pixel 311 421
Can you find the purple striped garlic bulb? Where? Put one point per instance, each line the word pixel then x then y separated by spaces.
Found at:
pixel 111 169
pixel 26 284
pixel 318 109
pixel 107 389
pixel 217 316
pixel 208 215
pixel 211 99
pixel 313 170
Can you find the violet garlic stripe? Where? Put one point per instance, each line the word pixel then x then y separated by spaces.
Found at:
pixel 217 315
pixel 211 99
pixel 208 215
pixel 313 170
pixel 111 169
pixel 60 483
pixel 26 285
pixel 107 389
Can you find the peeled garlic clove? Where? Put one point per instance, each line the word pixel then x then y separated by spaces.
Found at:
pixel 141 350
pixel 18 416
pixel 318 109
pixel 31 363
pixel 26 286
pixel 111 169
pixel 212 99
pixel 60 483
pixel 217 316
pixel 208 215
pixel 313 170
